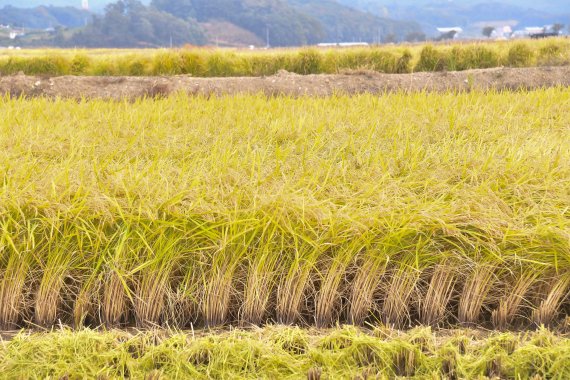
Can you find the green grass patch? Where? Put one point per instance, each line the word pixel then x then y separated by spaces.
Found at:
pixel 285 352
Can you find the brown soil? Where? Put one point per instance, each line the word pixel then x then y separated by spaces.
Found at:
pixel 285 83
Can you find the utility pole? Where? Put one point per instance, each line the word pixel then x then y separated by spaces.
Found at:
pixel 267 36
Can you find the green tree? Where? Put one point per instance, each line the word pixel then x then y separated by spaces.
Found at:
pixel 415 37
pixel 128 23
pixel 557 28
pixel 390 38
pixel 286 25
pixel 448 35
pixel 488 31
pixel 180 8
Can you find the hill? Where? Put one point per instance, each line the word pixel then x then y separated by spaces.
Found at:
pixel 345 24
pixel 43 17
pixel 293 22
pixel 131 23
pixel 468 14
pixel 552 7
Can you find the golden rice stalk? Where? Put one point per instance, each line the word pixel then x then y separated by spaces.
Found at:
pixel 290 293
pixel 12 283
pixel 509 305
pixel 180 310
pixel 216 297
pixel 327 298
pixel 83 306
pixel 434 305
pixel 149 299
pixel 475 292
pixel 48 296
pixel 396 305
pixel 257 294
pixel 363 288
pixel 549 307
pixel 182 299
pixel 115 307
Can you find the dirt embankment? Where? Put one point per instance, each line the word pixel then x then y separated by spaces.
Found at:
pixel 285 83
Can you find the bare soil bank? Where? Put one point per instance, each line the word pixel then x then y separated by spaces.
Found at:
pixel 285 83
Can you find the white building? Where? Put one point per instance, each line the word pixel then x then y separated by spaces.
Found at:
pixel 455 29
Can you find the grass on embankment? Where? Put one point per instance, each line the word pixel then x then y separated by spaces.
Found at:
pixel 407 208
pixel 225 63
pixel 287 353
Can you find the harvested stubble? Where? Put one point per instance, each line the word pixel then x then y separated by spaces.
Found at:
pixel 406 208
pixel 286 352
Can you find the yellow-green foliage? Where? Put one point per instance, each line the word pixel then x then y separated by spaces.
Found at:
pixel 283 352
pixel 401 208
pixel 222 63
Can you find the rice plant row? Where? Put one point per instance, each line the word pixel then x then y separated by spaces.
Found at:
pixel 287 353
pixel 226 63
pixel 403 209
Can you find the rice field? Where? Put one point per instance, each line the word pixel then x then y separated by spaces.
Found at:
pixel 209 62
pixel 407 235
pixel 400 210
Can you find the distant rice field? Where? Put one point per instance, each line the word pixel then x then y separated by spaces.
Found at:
pixel 209 62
